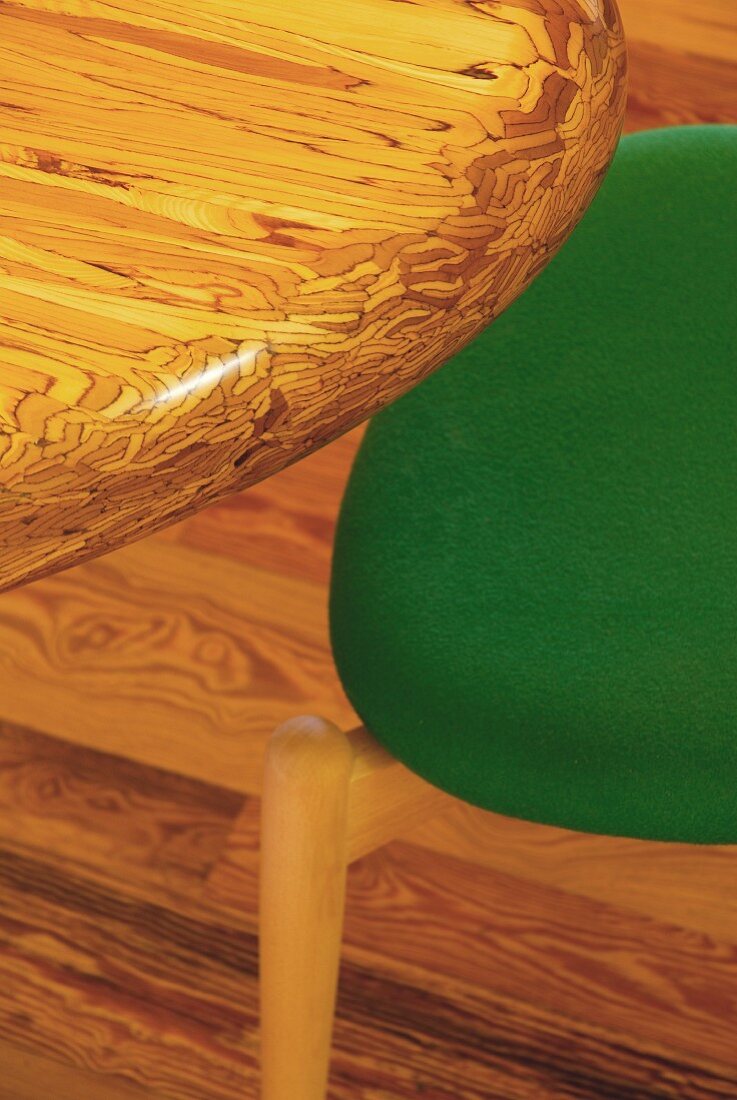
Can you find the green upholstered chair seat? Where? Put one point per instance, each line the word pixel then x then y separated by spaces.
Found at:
pixel 534 595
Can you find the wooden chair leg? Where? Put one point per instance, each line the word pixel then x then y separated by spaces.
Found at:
pixel 304 857
pixel 329 798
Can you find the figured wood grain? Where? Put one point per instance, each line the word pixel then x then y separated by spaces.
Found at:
pixel 22 1070
pixel 671 87
pixel 181 661
pixel 285 523
pixel 230 234
pixel 457 977
pixel 100 976
pixel 154 995
pixel 584 958
pixel 478 1045
pixel 404 1030
pixel 689 885
pixel 706 29
pixel 90 808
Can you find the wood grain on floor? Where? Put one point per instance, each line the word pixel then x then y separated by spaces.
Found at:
pixel 485 959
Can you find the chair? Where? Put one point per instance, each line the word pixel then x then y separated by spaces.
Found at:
pixel 534 590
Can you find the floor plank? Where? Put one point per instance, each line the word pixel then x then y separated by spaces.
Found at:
pixel 24 1070
pixel 691 886
pixel 708 28
pixel 102 979
pixel 182 660
pixel 672 88
pixel 584 956
pixel 94 808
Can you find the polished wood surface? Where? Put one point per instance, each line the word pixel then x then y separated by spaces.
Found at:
pixel 129 952
pixel 229 232
pixel 485 959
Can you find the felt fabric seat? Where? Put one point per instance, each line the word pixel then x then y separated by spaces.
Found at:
pixel 534 591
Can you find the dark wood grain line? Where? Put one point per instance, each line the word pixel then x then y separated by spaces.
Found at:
pixel 515 1048
pixel 519 992
pixel 177 992
pixel 582 957
pixel 27 1076
pixel 298 190
pixel 672 88
pixel 70 801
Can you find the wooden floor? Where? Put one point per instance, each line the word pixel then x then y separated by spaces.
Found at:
pixel 485 959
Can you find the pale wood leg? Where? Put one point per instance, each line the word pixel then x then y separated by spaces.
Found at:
pixel 303 870
pixel 329 797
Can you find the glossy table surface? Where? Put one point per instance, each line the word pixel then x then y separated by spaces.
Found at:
pixel 229 232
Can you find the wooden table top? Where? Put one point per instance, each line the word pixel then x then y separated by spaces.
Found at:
pixel 231 231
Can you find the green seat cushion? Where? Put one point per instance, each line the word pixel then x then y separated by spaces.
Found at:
pixel 534 592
